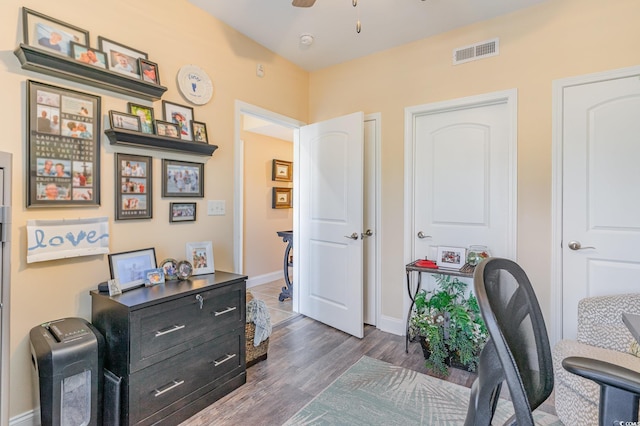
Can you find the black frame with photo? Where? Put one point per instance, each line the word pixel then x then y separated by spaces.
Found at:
pixel 112 49
pixel 276 203
pixel 36 25
pixel 135 109
pixel 129 267
pixel 145 63
pixel 170 109
pixel 199 131
pixel 174 185
pixel 278 165
pixel 161 129
pixel 77 50
pixel 122 121
pixel 63 156
pixel 177 210
pixel 134 189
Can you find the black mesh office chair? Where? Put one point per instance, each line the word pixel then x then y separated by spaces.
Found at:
pixel 518 349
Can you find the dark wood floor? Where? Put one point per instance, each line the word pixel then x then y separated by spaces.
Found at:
pixel 304 357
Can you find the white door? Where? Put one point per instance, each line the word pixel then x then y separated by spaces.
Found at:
pixel 600 195
pixel 370 238
pixel 464 179
pixel 329 248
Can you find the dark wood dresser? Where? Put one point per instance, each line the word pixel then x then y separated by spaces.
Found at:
pixel 178 346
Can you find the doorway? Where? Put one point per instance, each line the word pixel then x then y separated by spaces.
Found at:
pixel 372 249
pixel 5 281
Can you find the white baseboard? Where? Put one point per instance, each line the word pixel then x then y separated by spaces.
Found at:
pixel 30 418
pixel 264 278
pixel 392 325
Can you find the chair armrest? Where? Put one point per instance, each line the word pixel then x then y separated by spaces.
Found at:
pixel 604 373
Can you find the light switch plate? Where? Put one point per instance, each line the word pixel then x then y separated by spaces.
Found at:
pixel 216 207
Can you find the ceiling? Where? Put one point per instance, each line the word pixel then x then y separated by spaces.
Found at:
pixel 277 25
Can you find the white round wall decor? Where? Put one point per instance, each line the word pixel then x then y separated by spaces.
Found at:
pixel 194 84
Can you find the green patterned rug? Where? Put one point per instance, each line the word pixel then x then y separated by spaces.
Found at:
pixel 373 392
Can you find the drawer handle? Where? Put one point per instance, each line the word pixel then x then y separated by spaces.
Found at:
pixel 226 358
pixel 229 309
pixel 172 386
pixel 170 330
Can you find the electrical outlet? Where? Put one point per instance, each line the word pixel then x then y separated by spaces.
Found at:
pixel 216 208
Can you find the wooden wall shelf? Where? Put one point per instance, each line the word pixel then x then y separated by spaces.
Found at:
pixel 38 60
pixel 145 140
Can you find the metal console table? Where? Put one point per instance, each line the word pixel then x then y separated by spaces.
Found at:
pixel 287 237
pixel 413 290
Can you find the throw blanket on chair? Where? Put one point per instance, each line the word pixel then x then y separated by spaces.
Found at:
pixel 258 314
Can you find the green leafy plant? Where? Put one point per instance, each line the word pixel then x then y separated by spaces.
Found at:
pixel 450 325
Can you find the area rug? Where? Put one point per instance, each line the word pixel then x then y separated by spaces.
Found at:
pixel 373 392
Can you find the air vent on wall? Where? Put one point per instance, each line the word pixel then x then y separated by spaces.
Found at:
pixel 484 49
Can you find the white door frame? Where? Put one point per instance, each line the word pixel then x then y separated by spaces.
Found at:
pixel 5 243
pixel 510 97
pixel 555 332
pixel 238 204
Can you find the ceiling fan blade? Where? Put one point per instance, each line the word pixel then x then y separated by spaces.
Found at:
pixel 303 3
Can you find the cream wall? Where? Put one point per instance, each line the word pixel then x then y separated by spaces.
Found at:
pixel 173 33
pixel 263 249
pixel 556 39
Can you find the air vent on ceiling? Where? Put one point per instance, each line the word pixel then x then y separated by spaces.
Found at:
pixel 484 49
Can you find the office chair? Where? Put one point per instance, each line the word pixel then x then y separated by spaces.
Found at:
pixel 518 349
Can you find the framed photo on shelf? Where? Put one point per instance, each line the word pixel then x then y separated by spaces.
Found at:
pixel 129 267
pixel 170 268
pixel 122 120
pixel 146 116
pixel 199 132
pixel 182 179
pixel 451 257
pixel 63 147
pixel 282 171
pixel 50 34
pixel 88 55
pixel 134 195
pixel 149 71
pixel 153 277
pixel 182 212
pixel 170 130
pixel 121 58
pixel 182 115
pixel 200 255
pixel 282 198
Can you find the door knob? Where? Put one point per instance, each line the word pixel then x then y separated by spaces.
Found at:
pixel 421 235
pixel 575 245
pixel 353 236
pixel 367 233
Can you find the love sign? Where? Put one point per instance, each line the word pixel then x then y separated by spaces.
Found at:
pixel 59 239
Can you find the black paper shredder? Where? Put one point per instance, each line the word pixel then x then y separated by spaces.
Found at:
pixel 67 356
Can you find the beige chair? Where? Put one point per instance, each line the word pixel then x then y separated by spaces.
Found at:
pixel 601 335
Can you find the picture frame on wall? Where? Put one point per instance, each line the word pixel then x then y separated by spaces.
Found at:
pixel 182 115
pixel 146 116
pixel 199 132
pixel 282 171
pixel 149 71
pixel 200 255
pixel 182 179
pixel 182 212
pixel 49 34
pixel 120 58
pixel 282 198
pixel 134 189
pixel 451 257
pixel 166 129
pixel 88 55
pixel 63 147
pixel 124 121
pixel 129 267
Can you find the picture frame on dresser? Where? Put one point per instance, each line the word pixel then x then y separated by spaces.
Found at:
pixel 200 255
pixel 134 189
pixel 129 267
pixel 49 34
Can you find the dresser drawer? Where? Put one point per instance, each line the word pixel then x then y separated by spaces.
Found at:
pixel 163 330
pixel 162 388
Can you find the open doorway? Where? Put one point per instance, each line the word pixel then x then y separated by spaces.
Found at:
pixel 5 262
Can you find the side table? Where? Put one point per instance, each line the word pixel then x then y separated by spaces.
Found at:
pixel 287 237
pixel 413 290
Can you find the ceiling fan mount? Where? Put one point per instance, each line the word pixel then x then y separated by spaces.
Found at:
pixel 303 3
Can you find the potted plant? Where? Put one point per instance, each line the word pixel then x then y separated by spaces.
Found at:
pixel 448 325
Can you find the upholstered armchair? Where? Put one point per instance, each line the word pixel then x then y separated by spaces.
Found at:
pixel 601 335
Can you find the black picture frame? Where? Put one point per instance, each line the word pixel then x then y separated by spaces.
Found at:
pixel 199 132
pixel 124 121
pixel 129 267
pixel 63 147
pixel 182 115
pixel 146 116
pixel 134 187
pixel 182 179
pixel 88 55
pixel 182 212
pixel 149 71
pixel 120 58
pixel 167 130
pixel 38 30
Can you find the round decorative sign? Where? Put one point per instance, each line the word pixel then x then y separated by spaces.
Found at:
pixel 195 85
